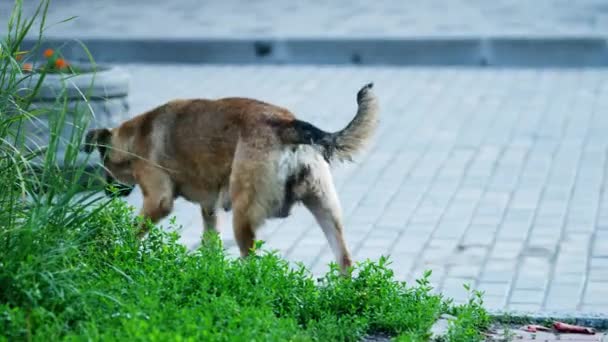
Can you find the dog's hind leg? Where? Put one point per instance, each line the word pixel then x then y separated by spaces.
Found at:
pixel 209 214
pixel 244 233
pixel 323 203
pixel 249 192
pixel 255 187
pixel 248 213
pixel 225 201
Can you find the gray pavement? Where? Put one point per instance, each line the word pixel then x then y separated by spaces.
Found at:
pixel 493 177
pixel 339 18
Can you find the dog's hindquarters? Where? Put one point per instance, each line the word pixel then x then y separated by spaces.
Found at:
pixel 267 185
pixel 273 168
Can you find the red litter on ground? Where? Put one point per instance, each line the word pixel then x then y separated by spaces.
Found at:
pixel 535 328
pixel 569 328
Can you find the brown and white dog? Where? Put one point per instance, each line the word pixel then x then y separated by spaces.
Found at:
pixel 238 153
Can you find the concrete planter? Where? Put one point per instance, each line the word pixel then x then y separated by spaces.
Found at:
pixel 107 105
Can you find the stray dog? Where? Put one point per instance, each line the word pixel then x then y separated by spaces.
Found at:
pixel 241 154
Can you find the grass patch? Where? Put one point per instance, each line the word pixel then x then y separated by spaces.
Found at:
pixel 470 319
pixel 103 284
pixel 72 269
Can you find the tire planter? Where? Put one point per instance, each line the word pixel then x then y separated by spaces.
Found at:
pixel 107 106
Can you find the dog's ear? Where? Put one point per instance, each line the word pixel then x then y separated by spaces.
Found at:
pixel 96 137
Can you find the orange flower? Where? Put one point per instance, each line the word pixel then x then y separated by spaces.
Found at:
pixel 60 63
pixel 48 53
pixel 27 67
pixel 19 55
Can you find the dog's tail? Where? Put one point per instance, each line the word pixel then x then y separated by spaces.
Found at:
pixel 341 145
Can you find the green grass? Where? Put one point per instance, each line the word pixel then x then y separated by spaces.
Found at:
pixel 469 318
pixel 106 285
pixel 72 269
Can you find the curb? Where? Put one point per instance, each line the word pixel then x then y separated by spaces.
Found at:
pixel 597 321
pixel 583 51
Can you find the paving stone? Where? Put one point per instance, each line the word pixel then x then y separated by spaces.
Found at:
pixel 409 243
pixel 454 288
pixel 494 289
pixel 596 293
pixel 464 271
pixel 598 275
pixel 527 296
pixel 479 237
pixel 524 307
pixel 599 263
pixel 565 297
pixel 376 242
pixel 573 278
pixel 600 247
pixel 594 309
pixel 499 270
pixel 494 302
pixel 513 232
pixel 402 263
pixel 507 249
pixel 370 253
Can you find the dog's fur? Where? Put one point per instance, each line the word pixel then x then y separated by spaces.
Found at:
pixel 238 153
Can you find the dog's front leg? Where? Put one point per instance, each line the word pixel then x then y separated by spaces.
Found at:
pixel 158 198
pixel 155 208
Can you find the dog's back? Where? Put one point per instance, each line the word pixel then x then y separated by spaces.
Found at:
pixel 197 138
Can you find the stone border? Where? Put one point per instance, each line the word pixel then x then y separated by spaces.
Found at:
pixel 106 82
pixel 567 51
pixel 597 321
pixel 105 105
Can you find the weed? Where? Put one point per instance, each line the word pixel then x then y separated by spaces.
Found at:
pixel 471 319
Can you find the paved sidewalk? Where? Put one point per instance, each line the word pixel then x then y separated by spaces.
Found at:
pixel 487 176
pixel 340 18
